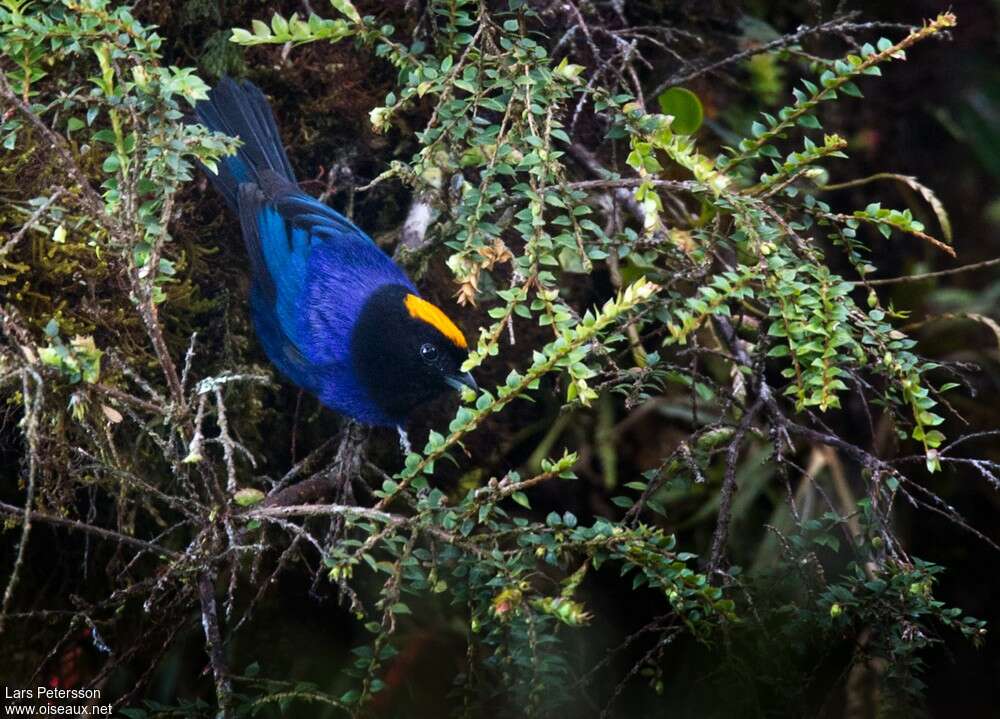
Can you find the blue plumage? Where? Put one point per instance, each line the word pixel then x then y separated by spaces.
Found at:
pixel 314 276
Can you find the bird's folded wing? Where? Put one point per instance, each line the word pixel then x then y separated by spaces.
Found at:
pixel 311 266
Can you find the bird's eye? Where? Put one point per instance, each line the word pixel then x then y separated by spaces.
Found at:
pixel 428 352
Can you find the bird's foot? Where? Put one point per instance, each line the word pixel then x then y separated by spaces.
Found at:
pixel 404 441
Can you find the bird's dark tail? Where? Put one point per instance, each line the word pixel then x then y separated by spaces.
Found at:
pixel 239 109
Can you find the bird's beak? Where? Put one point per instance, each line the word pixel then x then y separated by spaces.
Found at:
pixel 458 381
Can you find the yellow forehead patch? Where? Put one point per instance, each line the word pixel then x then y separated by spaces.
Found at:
pixel 423 310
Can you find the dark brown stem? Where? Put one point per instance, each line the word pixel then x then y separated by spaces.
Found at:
pixel 308 491
pixel 720 537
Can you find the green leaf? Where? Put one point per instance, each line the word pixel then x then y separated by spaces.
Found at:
pixel 522 499
pixel 248 497
pixel 346 8
pixel 810 121
pixel 260 29
pixel 685 107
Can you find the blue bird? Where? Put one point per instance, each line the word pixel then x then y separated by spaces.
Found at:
pixel 333 312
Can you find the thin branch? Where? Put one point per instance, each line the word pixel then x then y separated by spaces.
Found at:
pixel 150 315
pixel 19 513
pixel 931 275
pixel 721 535
pixel 32 407
pixel 35 216
pixel 303 466
pixel 836 25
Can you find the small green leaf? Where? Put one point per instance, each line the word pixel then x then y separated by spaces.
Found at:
pixel 522 499
pixel 810 121
pixel 248 497
pixel 346 7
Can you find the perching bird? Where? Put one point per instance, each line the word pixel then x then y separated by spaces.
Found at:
pixel 333 312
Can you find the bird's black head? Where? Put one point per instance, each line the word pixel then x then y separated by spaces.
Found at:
pixel 406 351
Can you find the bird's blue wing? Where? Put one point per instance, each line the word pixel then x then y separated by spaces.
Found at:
pixel 313 270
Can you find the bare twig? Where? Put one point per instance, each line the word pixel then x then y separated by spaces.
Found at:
pixel 35 216
pixel 32 407
pixel 931 275
pixel 835 26
pixel 108 534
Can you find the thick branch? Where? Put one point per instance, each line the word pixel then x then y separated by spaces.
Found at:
pixel 306 492
pixel 213 644
pixel 324 510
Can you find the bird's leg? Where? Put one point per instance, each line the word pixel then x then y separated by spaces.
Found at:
pixel 404 441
